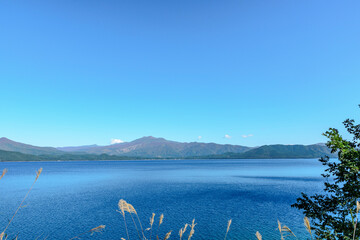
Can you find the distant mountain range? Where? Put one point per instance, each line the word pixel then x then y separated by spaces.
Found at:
pixel 158 148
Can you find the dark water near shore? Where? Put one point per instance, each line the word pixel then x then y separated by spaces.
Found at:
pixel 73 197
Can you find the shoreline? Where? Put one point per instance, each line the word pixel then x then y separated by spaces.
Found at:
pixel 162 159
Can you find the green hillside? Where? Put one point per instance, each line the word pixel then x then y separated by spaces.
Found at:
pixel 16 156
pixel 8 156
pixel 279 151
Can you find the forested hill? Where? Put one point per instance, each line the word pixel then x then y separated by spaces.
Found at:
pixel 8 156
pixel 279 151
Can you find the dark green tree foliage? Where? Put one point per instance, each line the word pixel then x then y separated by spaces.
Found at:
pixel 333 213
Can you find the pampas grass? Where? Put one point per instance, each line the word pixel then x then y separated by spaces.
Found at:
pixel 91 231
pixel 3 173
pixel 38 172
pixel 125 207
pixel 122 205
pixel 285 231
pixel 192 230
pixel 182 231
pixel 161 219
pixel 160 222
pixel 307 226
pixel 151 223
pixel 167 236
pixel 258 236
pixel 228 228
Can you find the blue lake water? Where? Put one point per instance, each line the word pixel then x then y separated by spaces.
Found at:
pixel 73 197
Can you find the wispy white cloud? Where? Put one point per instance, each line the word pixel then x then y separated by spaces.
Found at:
pixel 199 137
pixel 246 136
pixel 114 141
pixel 227 136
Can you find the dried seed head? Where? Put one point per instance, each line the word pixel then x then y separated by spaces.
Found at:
pixel 193 223
pixel 167 236
pixel 38 174
pixel 192 231
pixel 357 206
pixel 182 230
pixel 258 236
pixel 186 225
pixel 3 174
pixel 97 229
pixel 131 208
pixel 161 219
pixel 307 224
pixel 228 226
pixel 287 229
pixel 279 226
pixel 123 207
pixel 152 219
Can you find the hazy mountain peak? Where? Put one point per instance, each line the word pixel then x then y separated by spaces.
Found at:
pixel 149 139
pixel 320 144
pixel 4 139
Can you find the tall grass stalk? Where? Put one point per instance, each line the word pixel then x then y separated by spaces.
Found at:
pixel 151 223
pixel 122 205
pixel 182 231
pixel 192 230
pixel 307 226
pixel 228 228
pixel 27 194
pixel 160 222
pixel 133 211
pixel 127 207
pixel 142 230
pixel 137 230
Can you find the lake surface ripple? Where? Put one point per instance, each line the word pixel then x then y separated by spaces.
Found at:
pixel 73 197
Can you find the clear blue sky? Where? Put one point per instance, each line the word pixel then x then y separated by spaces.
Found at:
pixel 83 72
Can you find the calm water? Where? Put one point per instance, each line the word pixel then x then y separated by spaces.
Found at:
pixel 72 197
